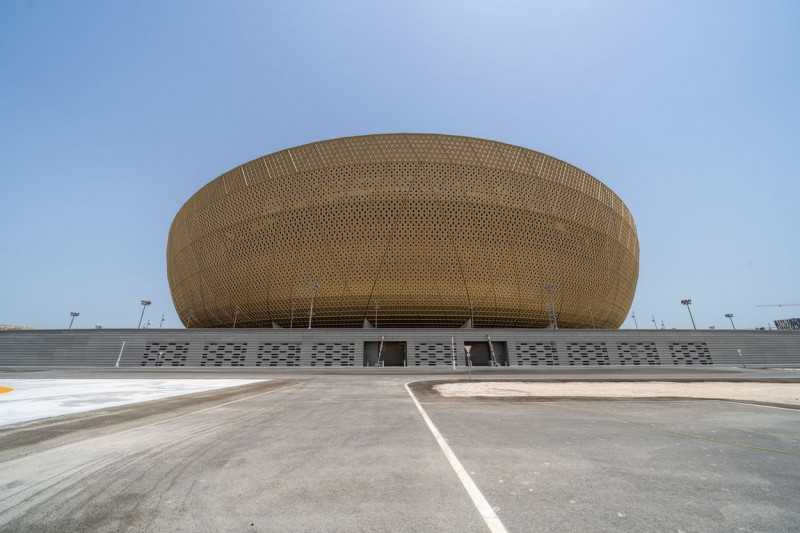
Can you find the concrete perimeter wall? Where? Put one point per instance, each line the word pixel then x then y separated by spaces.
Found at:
pixel 424 347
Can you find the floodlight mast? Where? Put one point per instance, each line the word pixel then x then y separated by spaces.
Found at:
pixel 729 316
pixel 145 303
pixel 73 314
pixel 688 304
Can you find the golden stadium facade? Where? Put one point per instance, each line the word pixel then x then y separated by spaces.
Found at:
pixel 416 230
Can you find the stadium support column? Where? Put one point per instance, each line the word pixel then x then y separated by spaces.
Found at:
pixel 553 319
pixel 314 286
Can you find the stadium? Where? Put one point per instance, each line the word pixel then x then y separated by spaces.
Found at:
pixel 403 230
pixel 401 250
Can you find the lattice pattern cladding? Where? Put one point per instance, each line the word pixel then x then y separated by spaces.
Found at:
pixel 422 225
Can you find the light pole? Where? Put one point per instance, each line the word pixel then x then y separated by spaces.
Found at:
pixel 729 316
pixel 688 304
pixel 314 286
pixel 235 316
pixel 376 315
pixel 633 316
pixel 471 316
pixel 162 322
pixel 653 320
pixel 145 303
pixel 553 318
pixel 73 314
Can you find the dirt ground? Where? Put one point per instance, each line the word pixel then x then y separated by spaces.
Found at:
pixel 779 393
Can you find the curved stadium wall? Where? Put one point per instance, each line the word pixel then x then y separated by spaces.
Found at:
pixel 431 229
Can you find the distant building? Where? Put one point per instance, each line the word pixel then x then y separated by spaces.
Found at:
pixel 6 327
pixel 788 324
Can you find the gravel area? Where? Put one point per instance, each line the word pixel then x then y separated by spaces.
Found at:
pixel 780 393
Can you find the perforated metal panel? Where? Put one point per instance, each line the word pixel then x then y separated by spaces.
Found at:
pixel 333 354
pixel 223 354
pixel 689 353
pixel 638 353
pixel 433 354
pixel 587 353
pixel 424 226
pixel 165 354
pixel 278 354
pixel 536 353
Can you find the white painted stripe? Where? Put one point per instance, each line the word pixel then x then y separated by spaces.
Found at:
pixel 486 511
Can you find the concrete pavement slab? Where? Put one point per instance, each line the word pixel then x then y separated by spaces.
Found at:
pixel 348 451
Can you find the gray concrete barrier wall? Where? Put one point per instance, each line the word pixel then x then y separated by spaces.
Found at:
pixel 424 347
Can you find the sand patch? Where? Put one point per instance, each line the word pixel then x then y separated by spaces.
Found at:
pixel 783 393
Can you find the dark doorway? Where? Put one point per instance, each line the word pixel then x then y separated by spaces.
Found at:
pixel 500 352
pixel 481 353
pixel 393 353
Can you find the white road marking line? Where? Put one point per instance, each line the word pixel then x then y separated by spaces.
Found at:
pixel 486 511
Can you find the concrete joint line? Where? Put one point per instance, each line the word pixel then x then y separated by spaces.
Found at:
pixel 480 502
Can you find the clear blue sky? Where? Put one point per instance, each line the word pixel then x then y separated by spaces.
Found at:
pixel 112 114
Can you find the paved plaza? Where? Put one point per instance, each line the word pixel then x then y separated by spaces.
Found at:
pixel 350 450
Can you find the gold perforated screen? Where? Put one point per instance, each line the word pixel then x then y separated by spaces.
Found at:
pixel 423 226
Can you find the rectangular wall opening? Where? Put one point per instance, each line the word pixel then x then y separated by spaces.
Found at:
pixel 481 353
pixel 393 353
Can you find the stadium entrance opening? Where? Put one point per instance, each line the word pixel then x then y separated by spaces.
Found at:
pixel 481 353
pixel 392 354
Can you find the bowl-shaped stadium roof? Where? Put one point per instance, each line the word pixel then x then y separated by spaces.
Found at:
pixel 425 230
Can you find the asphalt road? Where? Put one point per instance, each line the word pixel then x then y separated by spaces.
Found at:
pixel 317 451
